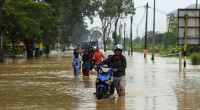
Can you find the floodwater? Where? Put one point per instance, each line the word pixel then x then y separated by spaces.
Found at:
pixel 48 83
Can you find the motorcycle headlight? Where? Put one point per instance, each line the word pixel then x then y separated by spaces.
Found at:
pixel 105 70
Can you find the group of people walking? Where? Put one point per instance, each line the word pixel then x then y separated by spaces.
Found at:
pixel 83 58
pixel 116 61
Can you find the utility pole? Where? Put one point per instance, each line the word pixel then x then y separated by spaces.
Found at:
pixel 131 35
pixel 137 31
pixel 153 30
pixel 186 37
pixel 120 29
pixel 196 4
pixel 145 43
pixel 1 43
pixel 1 35
pixel 1 48
pixel 124 37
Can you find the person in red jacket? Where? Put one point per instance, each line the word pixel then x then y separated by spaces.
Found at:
pixel 98 55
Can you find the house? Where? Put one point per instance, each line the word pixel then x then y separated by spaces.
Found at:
pixel 172 17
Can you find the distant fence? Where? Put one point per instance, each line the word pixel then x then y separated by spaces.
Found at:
pixel 172 54
pixel 197 52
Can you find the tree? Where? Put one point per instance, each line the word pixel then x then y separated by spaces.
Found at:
pixel 96 35
pixel 54 22
pixel 171 39
pixel 26 18
pixel 74 12
pixel 106 14
pixel 1 45
pixel 172 29
pixel 137 40
pixel 79 33
pixel 122 9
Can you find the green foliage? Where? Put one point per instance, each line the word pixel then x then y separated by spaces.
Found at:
pixel 30 19
pixel 107 10
pixel 158 48
pixel 116 37
pixel 80 33
pixel 195 59
pixel 110 47
pixel 174 48
pixel 137 47
pixel 165 43
pixel 124 7
pixel 73 14
pixel 6 42
pixel 2 3
pixel 137 40
pixel 95 35
pixel 160 38
pixel 162 52
pixel 113 10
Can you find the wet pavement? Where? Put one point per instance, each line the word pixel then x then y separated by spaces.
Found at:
pixel 48 83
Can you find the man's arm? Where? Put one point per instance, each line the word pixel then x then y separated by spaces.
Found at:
pixel 94 56
pixel 72 58
pixel 102 55
pixel 79 57
pixel 80 52
pixel 73 61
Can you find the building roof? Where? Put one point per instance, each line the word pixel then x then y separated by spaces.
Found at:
pixel 175 12
pixel 192 6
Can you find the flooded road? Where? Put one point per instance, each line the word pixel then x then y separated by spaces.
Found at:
pixel 49 84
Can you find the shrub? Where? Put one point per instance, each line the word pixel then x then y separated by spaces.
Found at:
pixel 162 53
pixel 195 58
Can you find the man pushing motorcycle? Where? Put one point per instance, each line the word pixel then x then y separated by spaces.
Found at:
pixel 118 63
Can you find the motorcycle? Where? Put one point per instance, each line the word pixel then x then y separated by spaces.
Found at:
pixel 103 81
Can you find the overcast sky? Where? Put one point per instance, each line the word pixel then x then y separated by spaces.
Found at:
pixel 165 6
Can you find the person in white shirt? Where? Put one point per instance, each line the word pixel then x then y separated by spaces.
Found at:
pixel 76 62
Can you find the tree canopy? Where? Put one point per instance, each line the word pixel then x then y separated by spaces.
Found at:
pixel 30 21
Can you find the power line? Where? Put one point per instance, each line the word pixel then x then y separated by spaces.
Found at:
pixel 139 7
pixel 145 12
pixel 141 19
pixel 143 16
pixel 159 11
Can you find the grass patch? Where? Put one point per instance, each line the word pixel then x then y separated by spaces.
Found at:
pixel 195 59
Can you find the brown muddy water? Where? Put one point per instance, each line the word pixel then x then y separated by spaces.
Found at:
pixel 49 84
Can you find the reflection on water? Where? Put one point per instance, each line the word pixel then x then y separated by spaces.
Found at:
pixel 49 83
pixel 187 90
pixel 111 104
pixel 87 82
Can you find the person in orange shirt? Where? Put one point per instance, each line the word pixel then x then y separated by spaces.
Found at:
pixel 98 55
pixel 79 52
pixel 79 49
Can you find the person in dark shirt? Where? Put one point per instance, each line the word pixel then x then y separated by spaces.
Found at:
pixel 86 63
pixel 91 53
pixel 118 63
